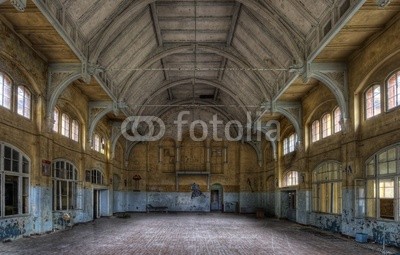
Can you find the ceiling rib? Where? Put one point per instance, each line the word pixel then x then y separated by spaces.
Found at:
pixel 157 29
pixel 229 40
pixel 334 31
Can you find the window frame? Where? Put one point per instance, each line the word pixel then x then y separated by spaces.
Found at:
pixel 327 203
pixel 326 125
pixel 289 143
pixel 372 87
pixel 22 197
pixel 376 177
pixel 315 134
pixel 97 177
pixel 56 119
pixel 57 183
pixel 5 77
pixel 386 90
pixel 75 130
pixel 337 120
pixel 27 95
pixel 288 177
pixel 65 126
pixel 99 143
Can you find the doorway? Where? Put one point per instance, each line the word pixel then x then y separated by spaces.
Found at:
pixel 96 204
pixel 216 197
pixel 101 203
pixel 288 202
pixel 292 206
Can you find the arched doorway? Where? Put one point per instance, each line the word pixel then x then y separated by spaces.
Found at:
pixel 216 197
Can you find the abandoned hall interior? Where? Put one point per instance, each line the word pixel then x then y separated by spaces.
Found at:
pixel 267 111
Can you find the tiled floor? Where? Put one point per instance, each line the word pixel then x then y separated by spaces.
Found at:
pixel 175 234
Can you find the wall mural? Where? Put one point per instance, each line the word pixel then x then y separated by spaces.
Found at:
pixel 196 192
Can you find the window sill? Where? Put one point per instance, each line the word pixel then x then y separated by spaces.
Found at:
pixel 66 211
pixel 15 216
pixel 334 214
pixel 294 187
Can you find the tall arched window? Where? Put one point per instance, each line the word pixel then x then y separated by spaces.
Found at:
pixel 337 116
pixel 75 130
pixel 289 144
pixel 96 177
pixel 393 91
pixel 291 179
pixel 373 101
pixel 326 125
pixel 14 181
pixel 383 184
pixel 315 131
pixel 327 188
pixel 56 116
pixel 24 102
pixel 5 91
pixel 99 143
pixel 65 125
pixel 65 176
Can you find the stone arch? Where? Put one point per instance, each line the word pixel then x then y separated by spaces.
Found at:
pixel 74 111
pixel 21 73
pixel 172 84
pixel 335 88
pixel 224 52
pixel 296 122
pixel 58 89
pixel 104 38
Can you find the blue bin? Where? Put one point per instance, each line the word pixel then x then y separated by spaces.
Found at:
pixel 361 238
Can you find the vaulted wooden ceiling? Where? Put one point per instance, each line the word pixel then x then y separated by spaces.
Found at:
pixel 234 55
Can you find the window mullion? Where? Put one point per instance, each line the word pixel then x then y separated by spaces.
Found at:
pixel 2 197
pixel 377 197
pixel 20 180
pixel 20 195
pixel 54 194
pixel 396 91
pixel 68 206
pixel 59 195
pixel 2 183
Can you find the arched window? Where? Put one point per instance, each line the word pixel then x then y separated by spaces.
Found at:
pixel 5 91
pixel 373 101
pixel 383 185
pixel 24 102
pixel 65 176
pixel 96 177
pixel 75 131
pixel 291 179
pixel 65 125
pixel 327 188
pixel 393 91
pixel 14 181
pixel 315 131
pixel 326 125
pixel 337 116
pixel 99 143
pixel 56 116
pixel 289 144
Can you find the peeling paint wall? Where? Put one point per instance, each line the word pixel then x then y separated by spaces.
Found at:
pixel 11 228
pixel 327 222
